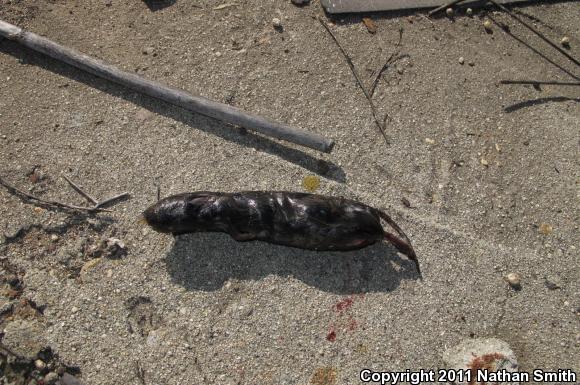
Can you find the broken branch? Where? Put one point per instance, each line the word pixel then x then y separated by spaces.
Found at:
pixel 97 207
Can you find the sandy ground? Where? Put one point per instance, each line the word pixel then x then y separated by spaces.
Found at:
pixel 483 166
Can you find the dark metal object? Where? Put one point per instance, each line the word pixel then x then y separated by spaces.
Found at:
pixel 348 6
pixel 305 221
pixel 168 94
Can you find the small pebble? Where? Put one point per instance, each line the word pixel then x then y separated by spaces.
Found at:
pixel 50 378
pixel 487 25
pixel 276 23
pixel 400 70
pixel 54 237
pixel 471 63
pixel 546 228
pixel 449 12
pixel 39 365
pixel 148 51
pixel 461 60
pixel 514 280
pixel 553 282
pixel 565 41
pixel 484 162
pixel 429 141
pixel 469 12
pixel 74 309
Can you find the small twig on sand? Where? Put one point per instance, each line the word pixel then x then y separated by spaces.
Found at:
pixel 199 369
pixel 380 126
pixel 97 207
pixel 387 64
pixel 80 191
pixel 538 33
pixel 521 41
pixel 450 4
pixel 108 201
pixel 140 372
pixel 540 82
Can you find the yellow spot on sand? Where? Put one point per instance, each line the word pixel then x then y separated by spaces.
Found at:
pixel 311 183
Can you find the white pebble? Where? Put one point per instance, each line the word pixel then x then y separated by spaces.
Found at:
pixel 565 41
pixel 39 364
pixel 514 280
pixel 487 25
pixel 276 22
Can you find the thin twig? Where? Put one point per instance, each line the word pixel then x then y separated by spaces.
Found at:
pixel 358 80
pixel 392 59
pixel 508 32
pixel 139 372
pixel 199 369
pixel 450 4
pixel 28 196
pixel 80 191
pixel 98 206
pixel 538 33
pixel 540 82
pixel 111 199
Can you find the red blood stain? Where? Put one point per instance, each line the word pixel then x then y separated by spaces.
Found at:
pixel 352 324
pixel 344 305
pixel 331 336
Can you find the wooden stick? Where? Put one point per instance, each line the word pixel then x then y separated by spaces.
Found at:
pixel 380 126
pixel 168 94
pixel 450 4
pixel 540 82
pixel 538 33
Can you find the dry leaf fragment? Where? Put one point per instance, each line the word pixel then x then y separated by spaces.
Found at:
pixel 370 24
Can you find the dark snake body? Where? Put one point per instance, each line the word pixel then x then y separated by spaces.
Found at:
pixel 305 221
